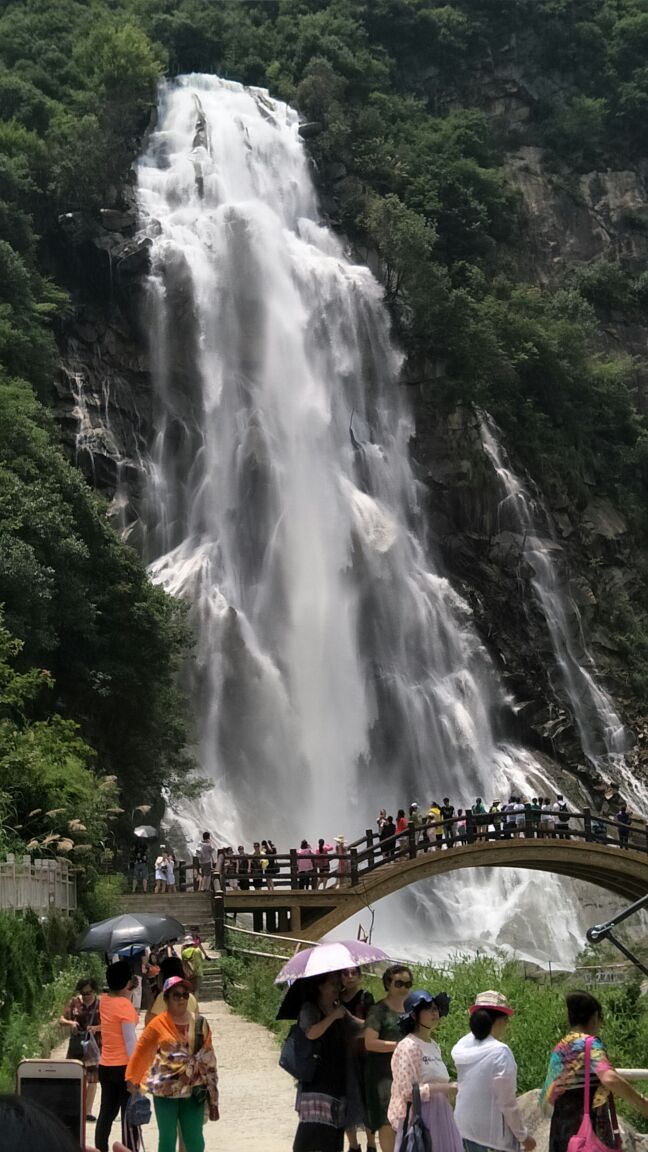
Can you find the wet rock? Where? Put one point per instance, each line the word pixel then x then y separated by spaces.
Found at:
pixel 132 258
pixel 564 525
pixel 601 518
pixel 310 129
pixel 77 227
pixel 116 221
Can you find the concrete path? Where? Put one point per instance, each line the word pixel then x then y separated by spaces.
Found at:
pixel 257 1098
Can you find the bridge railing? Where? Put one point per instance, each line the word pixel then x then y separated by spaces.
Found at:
pixel 290 870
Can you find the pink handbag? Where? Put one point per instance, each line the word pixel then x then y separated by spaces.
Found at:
pixel 586 1140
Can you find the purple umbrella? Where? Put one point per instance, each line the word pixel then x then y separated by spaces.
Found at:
pixel 331 957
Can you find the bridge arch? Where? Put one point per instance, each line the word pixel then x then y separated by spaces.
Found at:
pixel 621 871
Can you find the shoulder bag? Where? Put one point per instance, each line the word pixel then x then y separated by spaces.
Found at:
pixel 586 1140
pixel 300 1056
pixel 416 1137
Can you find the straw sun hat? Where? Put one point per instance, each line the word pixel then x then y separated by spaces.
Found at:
pixel 494 1000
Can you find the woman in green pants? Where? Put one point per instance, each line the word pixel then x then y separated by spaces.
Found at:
pixel 174 1060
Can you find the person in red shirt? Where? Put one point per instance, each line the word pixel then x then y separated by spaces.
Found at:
pixel 401 831
pixel 118 1023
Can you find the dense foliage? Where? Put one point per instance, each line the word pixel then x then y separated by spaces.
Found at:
pixel 37 977
pixel 412 144
pixel 88 648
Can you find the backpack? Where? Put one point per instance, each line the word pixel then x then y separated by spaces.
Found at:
pixel 416 1137
pixel 299 1056
pixel 189 964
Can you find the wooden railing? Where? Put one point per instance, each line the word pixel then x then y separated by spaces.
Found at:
pixel 370 851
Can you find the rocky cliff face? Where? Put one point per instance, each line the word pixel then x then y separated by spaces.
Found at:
pixel 598 215
pixel 103 402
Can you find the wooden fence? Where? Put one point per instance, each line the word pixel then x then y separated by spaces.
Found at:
pixel 42 885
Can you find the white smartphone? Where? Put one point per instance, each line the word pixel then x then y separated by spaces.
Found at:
pixel 58 1086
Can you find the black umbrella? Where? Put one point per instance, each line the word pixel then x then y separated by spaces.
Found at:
pixel 293 1001
pixel 123 931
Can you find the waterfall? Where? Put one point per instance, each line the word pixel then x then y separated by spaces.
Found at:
pixel 336 670
pixel 600 730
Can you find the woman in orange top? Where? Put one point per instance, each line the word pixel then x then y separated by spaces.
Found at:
pixel 118 1020
pixel 174 1060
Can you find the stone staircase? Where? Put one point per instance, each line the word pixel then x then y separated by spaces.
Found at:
pixel 192 909
pixel 211 987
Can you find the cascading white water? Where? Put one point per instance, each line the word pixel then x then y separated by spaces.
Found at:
pixel 335 669
pixel 600 729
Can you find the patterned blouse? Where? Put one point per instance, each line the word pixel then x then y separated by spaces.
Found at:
pixel 567 1068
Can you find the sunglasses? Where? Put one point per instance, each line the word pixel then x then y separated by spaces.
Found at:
pixel 179 995
pixel 402 983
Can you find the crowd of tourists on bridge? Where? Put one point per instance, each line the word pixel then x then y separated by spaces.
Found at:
pixel 366 1070
pixel 322 864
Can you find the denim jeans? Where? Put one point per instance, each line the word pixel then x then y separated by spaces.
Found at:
pixel 473 1146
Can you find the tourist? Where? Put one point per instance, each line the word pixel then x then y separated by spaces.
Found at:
pixel 440 829
pixel 561 815
pixel 388 842
pixel 624 820
pixel 462 834
pixel 169 966
pixel 192 955
pixel 382 1034
pixel 243 869
pixel 505 811
pixel 343 872
pixel 139 866
pixel 495 818
pixel 547 822
pixel 322 863
pixel 321 1103
pixel 447 814
pixel 118 1018
pixel 599 829
pixel 417 1060
pixel 170 872
pixel 161 871
pixel 565 1082
pixel 401 831
pixel 520 818
pixel 383 833
pixel 256 866
pixel 480 818
pixel 206 853
pixel 174 1060
pixel 432 822
pixel 229 868
pixel 273 866
pixel 306 877
pixel 357 1002
pixel 81 1017
pixel 487 1113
